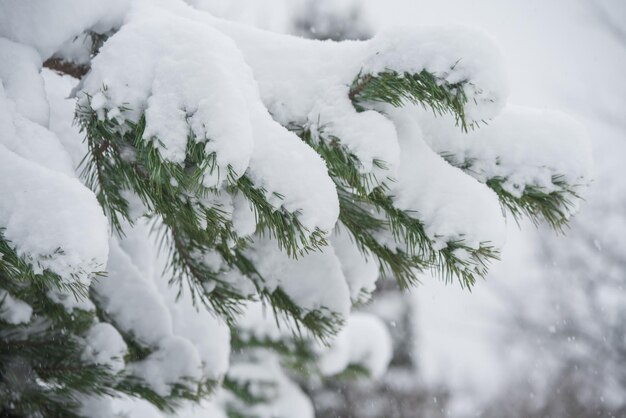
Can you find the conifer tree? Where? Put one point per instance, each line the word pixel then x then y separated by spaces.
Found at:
pixel 236 193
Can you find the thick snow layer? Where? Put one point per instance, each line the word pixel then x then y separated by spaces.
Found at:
pixel 138 298
pixel 132 300
pixel 258 321
pixel 360 272
pixel 127 407
pixel 284 166
pixel 202 409
pixel 455 54
pixel 312 88
pixel 174 362
pixel 314 281
pixel 62 107
pixel 46 25
pixel 452 205
pixel 19 72
pixel 47 214
pixel 209 336
pixel 523 146
pixel 105 346
pixel 364 342
pixel 14 311
pixel 370 343
pixel 264 377
pixel 149 66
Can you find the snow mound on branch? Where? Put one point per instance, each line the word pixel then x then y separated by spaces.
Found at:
pixel 62 108
pixel 314 281
pixel 19 72
pixel 209 95
pixel 257 321
pixel 148 66
pixel 127 407
pixel 312 89
pixel 45 25
pixel 360 272
pixel 188 343
pixel 14 311
pixel 364 342
pixel 523 146
pixel 105 346
pixel 452 205
pixel 453 54
pixel 47 214
pixel 264 377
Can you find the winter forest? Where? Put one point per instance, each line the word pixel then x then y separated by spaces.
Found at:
pixel 312 208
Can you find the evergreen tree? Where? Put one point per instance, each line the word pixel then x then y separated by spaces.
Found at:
pixel 255 186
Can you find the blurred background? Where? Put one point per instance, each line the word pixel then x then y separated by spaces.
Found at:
pixel 545 334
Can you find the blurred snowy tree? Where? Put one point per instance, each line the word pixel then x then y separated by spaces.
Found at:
pixel 326 19
pixel 573 328
pixel 398 393
pixel 237 192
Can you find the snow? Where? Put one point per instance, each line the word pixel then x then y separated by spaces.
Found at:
pixel 454 54
pixel 314 281
pixel 188 342
pixel 37 183
pixel 127 407
pixel 58 88
pixel 146 317
pixel 174 362
pixel 244 218
pixel 257 321
pixel 452 205
pixel 19 72
pixel 46 25
pixel 524 146
pixel 263 376
pixel 105 345
pixel 312 89
pixel 14 311
pixel 360 272
pixel 211 94
pixel 364 342
pixel 50 218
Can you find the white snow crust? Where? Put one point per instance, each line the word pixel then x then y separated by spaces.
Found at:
pixel 364 342
pixel 524 146
pixel 13 310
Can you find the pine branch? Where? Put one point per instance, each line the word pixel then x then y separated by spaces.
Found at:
pixel 423 88
pixel 364 229
pixel 280 225
pixel 367 211
pixel 534 202
pixel 18 274
pixel 537 204
pixel 120 159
